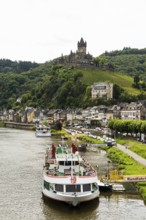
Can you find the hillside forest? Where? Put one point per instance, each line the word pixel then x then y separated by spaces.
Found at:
pixel 47 85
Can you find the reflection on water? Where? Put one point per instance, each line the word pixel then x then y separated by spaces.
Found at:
pixel 57 210
pixel 21 166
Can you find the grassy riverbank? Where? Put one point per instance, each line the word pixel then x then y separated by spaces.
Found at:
pixel 129 167
pixel 90 140
pixel 124 162
pixel 1 124
pixel 58 132
pixel 135 146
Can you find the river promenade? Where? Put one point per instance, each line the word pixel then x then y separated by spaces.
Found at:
pixel 132 154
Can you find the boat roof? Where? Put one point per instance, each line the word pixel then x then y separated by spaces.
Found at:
pixel 61 150
pixel 68 157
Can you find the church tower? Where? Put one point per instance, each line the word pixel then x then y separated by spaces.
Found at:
pixel 82 47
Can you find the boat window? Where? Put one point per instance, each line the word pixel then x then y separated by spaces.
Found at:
pixel 61 163
pixel 94 186
pixel 67 163
pixel 86 187
pixel 59 188
pixel 46 185
pixel 73 188
pixel 76 163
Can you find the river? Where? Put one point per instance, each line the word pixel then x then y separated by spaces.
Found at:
pixel 21 166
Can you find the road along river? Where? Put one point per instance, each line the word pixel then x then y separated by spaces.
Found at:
pixel 21 166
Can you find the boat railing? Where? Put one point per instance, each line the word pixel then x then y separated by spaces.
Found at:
pixel 89 170
pixel 51 172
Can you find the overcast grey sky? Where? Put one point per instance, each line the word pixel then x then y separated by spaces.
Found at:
pixel 41 30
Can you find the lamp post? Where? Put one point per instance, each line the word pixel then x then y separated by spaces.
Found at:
pixel 108 162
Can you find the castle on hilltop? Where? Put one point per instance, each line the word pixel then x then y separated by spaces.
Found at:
pixel 79 58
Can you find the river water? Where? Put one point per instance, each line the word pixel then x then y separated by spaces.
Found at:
pixel 21 166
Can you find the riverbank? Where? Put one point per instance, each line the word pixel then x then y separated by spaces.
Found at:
pixel 2 124
pixel 122 156
pixel 19 125
pixel 128 166
pixel 135 146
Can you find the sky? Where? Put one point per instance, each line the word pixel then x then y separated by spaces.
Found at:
pixel 41 30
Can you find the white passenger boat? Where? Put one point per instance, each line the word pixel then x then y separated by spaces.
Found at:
pixel 43 131
pixel 68 177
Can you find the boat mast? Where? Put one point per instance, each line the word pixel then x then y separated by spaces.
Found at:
pixel 72 164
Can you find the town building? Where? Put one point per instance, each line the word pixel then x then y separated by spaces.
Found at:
pixel 133 111
pixel 102 90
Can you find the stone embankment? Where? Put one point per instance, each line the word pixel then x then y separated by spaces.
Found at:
pixel 26 126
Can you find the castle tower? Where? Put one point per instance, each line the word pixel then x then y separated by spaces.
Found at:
pixel 82 47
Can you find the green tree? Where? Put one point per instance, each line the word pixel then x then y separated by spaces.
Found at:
pixel 136 81
pixel 96 61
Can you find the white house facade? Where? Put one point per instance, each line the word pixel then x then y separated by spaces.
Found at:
pixel 102 90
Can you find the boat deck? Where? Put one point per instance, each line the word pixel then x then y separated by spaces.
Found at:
pixel 51 166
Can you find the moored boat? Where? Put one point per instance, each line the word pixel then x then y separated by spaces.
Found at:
pixel 82 147
pixel 43 131
pixel 105 186
pixel 68 177
pixel 117 187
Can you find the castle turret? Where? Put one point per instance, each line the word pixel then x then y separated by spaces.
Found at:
pixel 82 47
pixel 79 58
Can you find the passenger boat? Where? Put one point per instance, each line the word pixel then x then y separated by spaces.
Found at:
pixel 43 131
pixel 68 177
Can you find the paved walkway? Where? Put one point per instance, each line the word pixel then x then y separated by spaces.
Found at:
pixel 132 154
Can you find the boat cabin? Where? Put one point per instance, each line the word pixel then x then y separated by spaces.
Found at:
pixel 68 163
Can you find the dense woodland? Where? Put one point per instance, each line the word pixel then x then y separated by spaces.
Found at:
pixel 9 66
pixel 128 60
pixel 55 86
